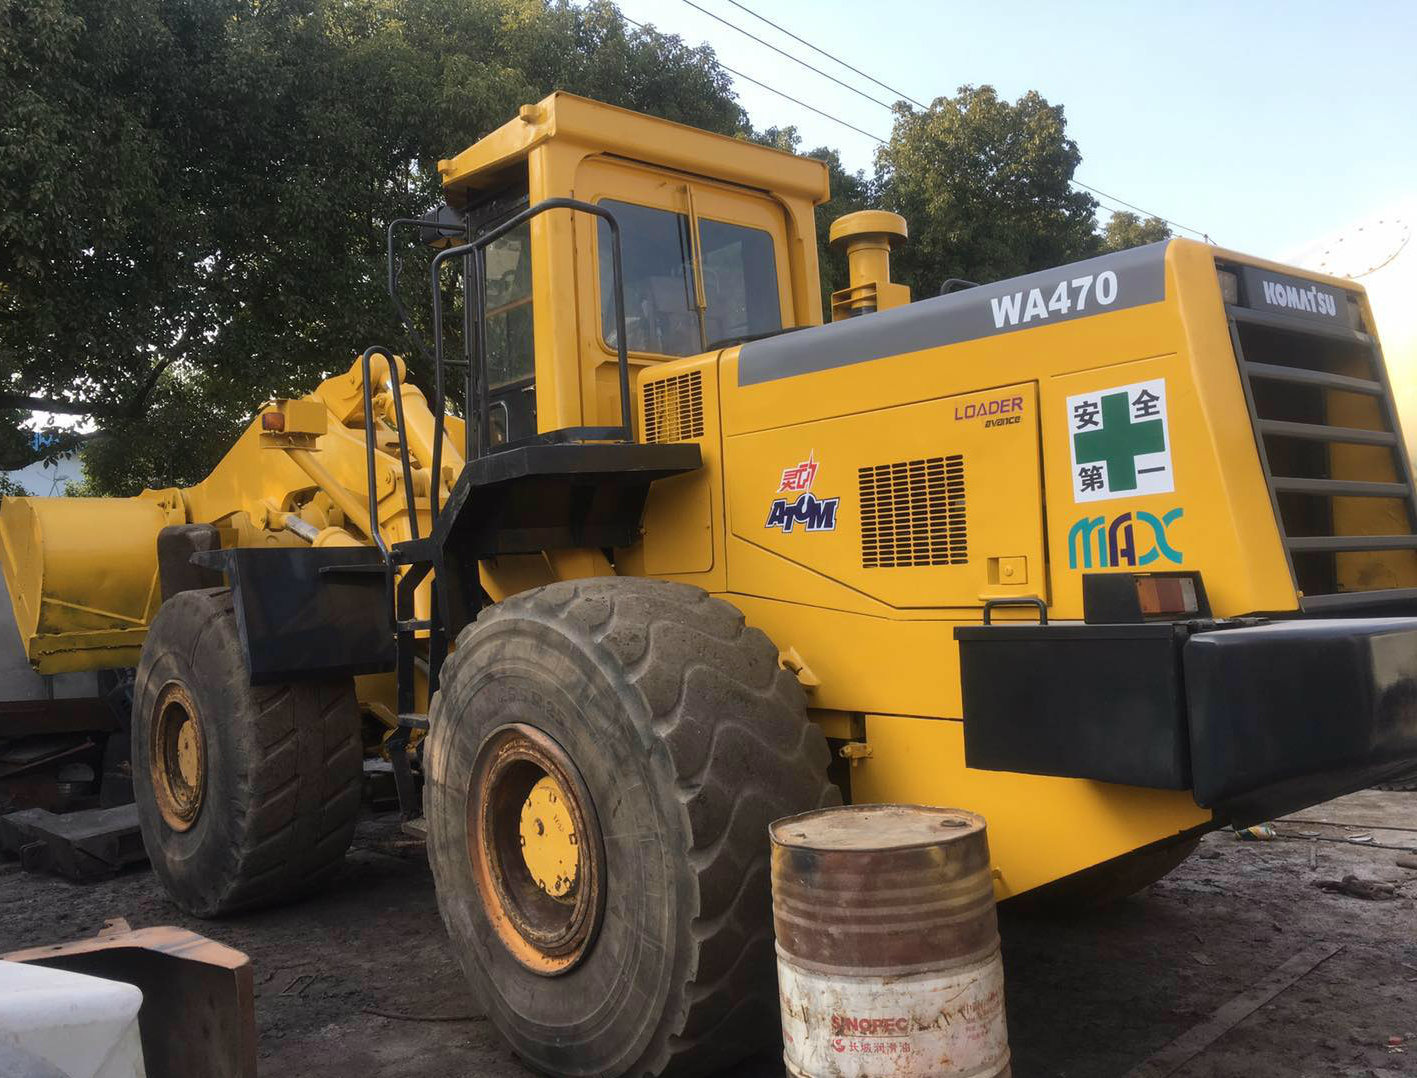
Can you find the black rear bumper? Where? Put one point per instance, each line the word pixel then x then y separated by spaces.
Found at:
pixel 1257 720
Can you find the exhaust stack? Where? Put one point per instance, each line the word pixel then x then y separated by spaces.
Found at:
pixel 868 236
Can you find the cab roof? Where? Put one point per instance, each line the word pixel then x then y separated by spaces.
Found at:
pixel 599 128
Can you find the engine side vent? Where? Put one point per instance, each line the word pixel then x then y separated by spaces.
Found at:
pixel 912 513
pixel 674 408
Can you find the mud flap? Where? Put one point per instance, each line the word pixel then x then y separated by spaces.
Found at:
pixel 308 613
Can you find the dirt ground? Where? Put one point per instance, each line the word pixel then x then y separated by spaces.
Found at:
pixel 1088 996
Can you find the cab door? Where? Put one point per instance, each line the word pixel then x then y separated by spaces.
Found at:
pixel 704 266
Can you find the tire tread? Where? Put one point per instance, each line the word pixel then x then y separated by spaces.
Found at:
pixel 299 774
pixel 678 650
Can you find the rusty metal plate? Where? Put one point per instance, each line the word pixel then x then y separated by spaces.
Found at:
pixel 199 1005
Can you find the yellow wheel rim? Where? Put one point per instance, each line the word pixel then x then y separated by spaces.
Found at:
pixel 549 840
pixel 535 847
pixel 177 758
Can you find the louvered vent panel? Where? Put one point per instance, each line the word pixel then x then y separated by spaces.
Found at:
pixel 1326 424
pixel 912 513
pixel 674 408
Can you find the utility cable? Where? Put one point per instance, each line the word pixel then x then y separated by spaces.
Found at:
pixel 861 131
pixel 804 104
pixel 1103 194
pixel 829 56
pixel 794 59
pixel 765 86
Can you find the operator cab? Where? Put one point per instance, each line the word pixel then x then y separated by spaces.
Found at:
pixel 692 285
pixel 717 245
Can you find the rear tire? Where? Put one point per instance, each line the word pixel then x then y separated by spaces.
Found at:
pixel 675 739
pixel 247 796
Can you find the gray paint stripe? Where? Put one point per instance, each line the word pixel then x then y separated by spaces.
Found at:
pixel 1096 286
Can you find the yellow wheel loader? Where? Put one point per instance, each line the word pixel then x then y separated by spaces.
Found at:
pixel 1114 554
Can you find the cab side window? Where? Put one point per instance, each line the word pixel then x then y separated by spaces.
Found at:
pixel 511 354
pixel 738 267
pixel 658 265
pixel 740 282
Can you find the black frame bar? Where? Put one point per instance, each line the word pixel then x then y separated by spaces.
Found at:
pixel 393 272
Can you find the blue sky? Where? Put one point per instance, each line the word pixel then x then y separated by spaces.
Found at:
pixel 1265 125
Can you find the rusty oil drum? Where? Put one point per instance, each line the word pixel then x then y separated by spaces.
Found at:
pixel 887 944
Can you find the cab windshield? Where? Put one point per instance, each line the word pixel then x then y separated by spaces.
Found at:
pixel 663 314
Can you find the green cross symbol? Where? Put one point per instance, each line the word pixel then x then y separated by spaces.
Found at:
pixel 1119 442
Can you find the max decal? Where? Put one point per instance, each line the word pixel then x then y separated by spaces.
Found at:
pixel 1116 542
pixel 813 513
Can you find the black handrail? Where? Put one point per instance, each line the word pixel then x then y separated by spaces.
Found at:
pixel 478 364
pixel 370 447
pixel 393 273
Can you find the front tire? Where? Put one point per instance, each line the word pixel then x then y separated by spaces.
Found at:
pixel 246 796
pixel 652 736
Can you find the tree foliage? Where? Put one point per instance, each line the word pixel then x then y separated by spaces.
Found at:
pixel 850 191
pixel 985 186
pixel 193 192
pixel 1125 229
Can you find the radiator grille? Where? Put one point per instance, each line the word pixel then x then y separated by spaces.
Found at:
pixel 912 513
pixel 674 408
pixel 1326 428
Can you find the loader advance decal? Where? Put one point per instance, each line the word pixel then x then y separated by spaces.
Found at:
pixel 813 513
pixel 1000 412
pixel 1120 442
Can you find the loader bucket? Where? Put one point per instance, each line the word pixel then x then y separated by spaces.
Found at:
pixel 82 575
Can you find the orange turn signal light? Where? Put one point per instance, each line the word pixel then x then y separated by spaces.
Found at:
pixel 1163 595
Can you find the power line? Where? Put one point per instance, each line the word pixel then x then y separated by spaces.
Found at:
pixel 861 131
pixel 829 56
pixel 1103 194
pixel 836 59
pixel 765 86
pixel 794 59
pixel 804 104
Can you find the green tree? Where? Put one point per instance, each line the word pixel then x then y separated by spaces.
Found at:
pixel 850 191
pixel 193 192
pixel 985 186
pixel 1125 229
